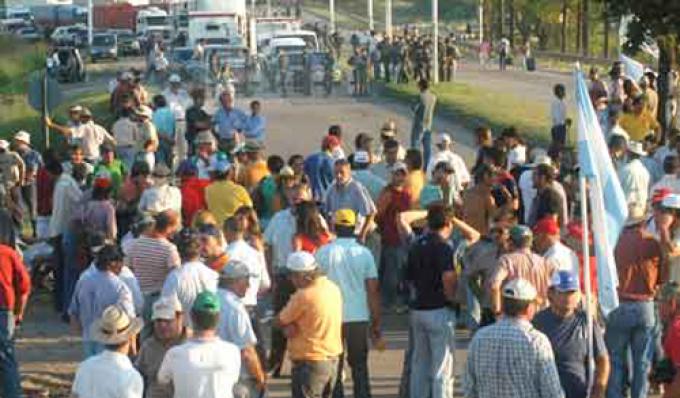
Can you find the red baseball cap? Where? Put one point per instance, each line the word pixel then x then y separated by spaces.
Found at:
pixel 575 230
pixel 547 225
pixel 660 194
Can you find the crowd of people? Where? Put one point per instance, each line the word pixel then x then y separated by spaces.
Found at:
pixel 182 246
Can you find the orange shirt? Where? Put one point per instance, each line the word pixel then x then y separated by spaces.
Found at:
pixel 316 313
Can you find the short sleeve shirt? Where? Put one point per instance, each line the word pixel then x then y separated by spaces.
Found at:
pixel 234 324
pixel 428 259
pixel 568 338
pixel 349 265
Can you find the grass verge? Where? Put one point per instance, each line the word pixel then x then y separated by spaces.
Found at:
pixel 18 115
pixel 474 107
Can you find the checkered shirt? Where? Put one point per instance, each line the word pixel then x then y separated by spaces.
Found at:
pixel 511 359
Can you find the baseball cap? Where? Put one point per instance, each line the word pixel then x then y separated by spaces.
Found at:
pixel 301 261
pixel 286 171
pixel 4 144
pixel 222 166
pixel 85 112
pixel 145 111
pixel 564 281
pixel 75 108
pixel 345 218
pixel 161 170
pixel 165 308
pixel 107 148
pixel 660 194
pixel 206 302
pixel 126 76
pixel 235 269
pixel 23 136
pixel 361 157
pixel 445 166
pixel 520 289
pixel 519 232
pixel 209 230
pixel 174 78
pixel 399 166
pixel 252 146
pixel 547 225
pixel 388 129
pixel 443 138
pixel 187 167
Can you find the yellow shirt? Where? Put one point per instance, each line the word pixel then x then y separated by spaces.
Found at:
pixel 415 182
pixel 224 198
pixel 255 172
pixel 316 312
pixel 638 126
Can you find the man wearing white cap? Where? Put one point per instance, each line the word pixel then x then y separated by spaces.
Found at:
pixel 179 101
pixel 634 177
pixel 444 153
pixel 235 327
pixel 510 358
pixel 32 162
pixel 110 374
pixel 89 134
pixel 167 333
pixel 312 320
pixel 11 176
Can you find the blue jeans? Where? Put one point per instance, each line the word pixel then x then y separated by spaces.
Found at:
pixel 473 311
pixel 416 133
pixel 69 242
pixel 433 358
pixel 10 386
pixel 630 327
pixel 392 264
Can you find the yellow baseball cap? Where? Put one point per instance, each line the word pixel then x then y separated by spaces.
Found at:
pixel 345 217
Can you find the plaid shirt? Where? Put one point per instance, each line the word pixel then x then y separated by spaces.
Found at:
pixel 511 359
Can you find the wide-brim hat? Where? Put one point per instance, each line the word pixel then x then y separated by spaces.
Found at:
pixel 637 148
pixel 114 326
pixel 23 136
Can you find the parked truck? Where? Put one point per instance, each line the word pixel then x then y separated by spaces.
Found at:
pixel 51 16
pixel 115 16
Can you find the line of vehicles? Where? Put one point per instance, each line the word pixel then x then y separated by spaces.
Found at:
pixel 254 48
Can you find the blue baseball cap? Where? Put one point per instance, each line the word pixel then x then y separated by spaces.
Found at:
pixel 222 166
pixel 565 281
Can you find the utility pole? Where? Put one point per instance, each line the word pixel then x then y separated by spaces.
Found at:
pixel 371 24
pixel 90 18
pixel 481 21
pixel 269 8
pixel 388 19
pixel 435 33
pixel 331 7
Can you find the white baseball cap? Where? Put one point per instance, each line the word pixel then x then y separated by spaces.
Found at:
pixel 520 289
pixel 4 144
pixel 637 148
pixel 399 166
pixel 301 261
pixel 174 78
pixel 671 201
pixel 166 308
pixel 443 138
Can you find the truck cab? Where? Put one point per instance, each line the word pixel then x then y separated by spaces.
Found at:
pixel 154 21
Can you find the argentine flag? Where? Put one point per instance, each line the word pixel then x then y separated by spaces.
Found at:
pixel 608 207
pixel 632 68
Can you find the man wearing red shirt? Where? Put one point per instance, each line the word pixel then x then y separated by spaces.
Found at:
pixel 393 200
pixel 15 285
pixel 193 191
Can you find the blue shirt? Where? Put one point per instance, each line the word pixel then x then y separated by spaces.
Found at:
pixel 319 169
pixel 254 128
pixel 164 120
pixel 349 265
pixel 229 121
pixel 93 293
pixel 372 182
pixel 234 325
pixel 32 159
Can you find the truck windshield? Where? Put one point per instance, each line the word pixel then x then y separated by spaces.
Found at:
pixel 103 40
pixel 157 21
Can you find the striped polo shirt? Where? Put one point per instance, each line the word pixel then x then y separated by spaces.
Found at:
pixel 151 260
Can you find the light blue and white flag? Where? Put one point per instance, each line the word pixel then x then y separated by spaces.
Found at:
pixel 608 207
pixel 632 68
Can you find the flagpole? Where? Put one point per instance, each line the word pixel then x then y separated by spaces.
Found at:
pixel 585 246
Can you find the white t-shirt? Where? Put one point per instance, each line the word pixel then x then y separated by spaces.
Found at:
pixel 242 251
pixel 563 257
pixel 558 112
pixel 461 172
pixel 90 136
pixel 202 369
pixel 527 191
pixel 517 156
pixel 186 282
pixel 108 375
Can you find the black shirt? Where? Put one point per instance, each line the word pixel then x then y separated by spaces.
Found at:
pixel 428 258
pixel 546 203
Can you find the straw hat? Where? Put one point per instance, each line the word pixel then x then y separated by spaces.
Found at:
pixel 23 136
pixel 114 326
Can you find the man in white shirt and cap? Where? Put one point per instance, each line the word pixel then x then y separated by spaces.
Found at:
pixel 89 134
pixel 634 176
pixel 179 101
pixel 110 374
pixel 445 153
pixel 161 196
pixel 235 327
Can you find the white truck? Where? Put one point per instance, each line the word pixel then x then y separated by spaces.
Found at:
pixel 218 21
pixel 153 21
